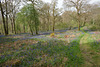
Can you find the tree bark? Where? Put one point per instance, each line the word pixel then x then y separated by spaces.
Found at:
pixel 84 22
pixel 11 23
pixel 14 25
pixel 53 26
pixel 53 21
pixel 78 14
pixel 7 18
pixel 48 21
pixel 2 29
pixel 24 27
pixel 36 30
pixel 30 27
pixel 78 25
pixel 3 19
pixel 7 24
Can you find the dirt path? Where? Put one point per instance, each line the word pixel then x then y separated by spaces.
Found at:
pixel 91 57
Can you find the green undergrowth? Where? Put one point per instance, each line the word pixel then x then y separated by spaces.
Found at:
pixel 48 53
pixel 90 50
pixel 74 53
pixel 54 53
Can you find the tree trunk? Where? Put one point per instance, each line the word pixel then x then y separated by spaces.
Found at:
pixel 48 21
pixel 2 29
pixel 31 31
pixel 24 27
pixel 78 25
pixel 78 14
pixel 12 27
pixel 14 24
pixel 3 19
pixel 78 22
pixel 11 24
pixel 30 28
pixel 70 28
pixel 84 22
pixel 36 30
pixel 7 24
pixel 53 21
pixel 53 26
pixel 7 18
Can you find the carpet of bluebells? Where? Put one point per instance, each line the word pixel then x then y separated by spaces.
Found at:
pixel 67 49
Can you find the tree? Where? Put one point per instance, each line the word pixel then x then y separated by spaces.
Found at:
pixel 34 13
pixel 21 20
pixel 3 18
pixel 8 10
pixel 30 12
pixel 45 16
pixel 54 13
pixel 78 5
pixel 14 7
pixel 69 19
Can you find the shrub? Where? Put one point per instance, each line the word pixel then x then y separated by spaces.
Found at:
pixel 94 27
pixel 52 34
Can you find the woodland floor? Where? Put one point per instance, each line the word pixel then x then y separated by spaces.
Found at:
pixel 65 49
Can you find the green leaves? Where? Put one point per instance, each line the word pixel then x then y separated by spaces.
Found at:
pixel 29 16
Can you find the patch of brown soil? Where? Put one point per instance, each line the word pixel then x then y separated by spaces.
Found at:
pixel 88 54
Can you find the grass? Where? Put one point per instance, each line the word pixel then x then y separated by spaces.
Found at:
pixel 74 53
pixel 90 48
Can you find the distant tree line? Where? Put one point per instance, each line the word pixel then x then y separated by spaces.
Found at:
pixel 32 16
